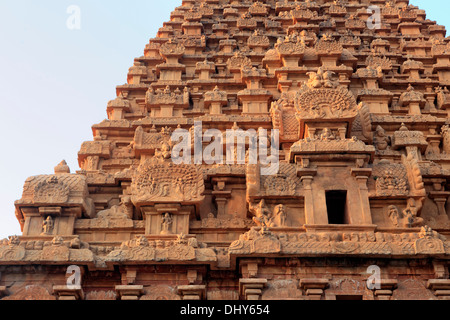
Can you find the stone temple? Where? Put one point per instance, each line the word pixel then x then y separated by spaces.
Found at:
pixel 355 208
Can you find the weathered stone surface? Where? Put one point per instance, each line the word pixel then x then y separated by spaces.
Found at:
pixel 359 183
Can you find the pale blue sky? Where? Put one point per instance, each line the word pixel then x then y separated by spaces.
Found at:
pixel 55 82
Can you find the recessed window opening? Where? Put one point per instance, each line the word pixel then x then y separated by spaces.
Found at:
pixel 337 207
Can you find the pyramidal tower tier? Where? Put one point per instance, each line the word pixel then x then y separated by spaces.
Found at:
pixel 258 150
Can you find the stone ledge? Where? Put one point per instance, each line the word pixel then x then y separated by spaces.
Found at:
pixel 68 292
pixel 129 292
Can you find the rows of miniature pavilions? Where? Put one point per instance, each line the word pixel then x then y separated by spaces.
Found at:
pixel 352 203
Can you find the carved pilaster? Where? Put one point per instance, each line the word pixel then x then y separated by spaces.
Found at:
pixel 362 176
pixel 440 288
pixel 250 268
pixel 68 292
pixel 440 198
pixel 192 292
pixel 307 177
pixel 386 289
pixel 251 289
pixel 133 292
pixel 221 197
pixel 314 288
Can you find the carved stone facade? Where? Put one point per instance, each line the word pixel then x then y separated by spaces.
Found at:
pixel 362 182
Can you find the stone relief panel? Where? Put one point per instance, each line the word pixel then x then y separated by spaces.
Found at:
pixel 157 181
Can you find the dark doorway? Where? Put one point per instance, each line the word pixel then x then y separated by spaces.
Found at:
pixel 337 207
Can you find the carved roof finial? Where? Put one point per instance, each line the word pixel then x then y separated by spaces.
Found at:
pixel 62 168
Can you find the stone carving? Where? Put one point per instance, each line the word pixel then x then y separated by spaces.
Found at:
pixel 411 213
pixel 51 191
pixel 327 45
pixel 165 152
pixel 269 219
pixel 290 46
pixel 11 250
pixel 182 249
pixel 361 110
pixel 160 293
pixel 280 185
pixel 327 141
pixel 446 143
pixel 101 295
pixel 429 242
pixel 31 292
pixel 166 224
pixel 57 251
pixel 171 48
pixel 283 184
pixel 264 242
pixel 282 290
pixel 246 21
pixel 283 116
pixel 394 215
pixel 320 79
pixel 317 100
pixel 47 226
pixel 167 97
pixel 238 62
pixel 414 176
pixel 375 62
pixel 258 8
pixel 115 212
pixel 258 40
pixel 160 181
pixel 381 139
pixel 233 222
pixel 390 185
pixel 148 142
pixel 279 216
pixel 256 242
pixel 407 219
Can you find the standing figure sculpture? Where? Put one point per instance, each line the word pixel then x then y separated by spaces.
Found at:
pixel 279 216
pixel 47 226
pixel 166 224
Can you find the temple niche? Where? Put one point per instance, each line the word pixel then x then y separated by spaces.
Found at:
pixel 358 177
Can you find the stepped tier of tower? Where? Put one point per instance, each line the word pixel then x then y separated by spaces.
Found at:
pixel 360 174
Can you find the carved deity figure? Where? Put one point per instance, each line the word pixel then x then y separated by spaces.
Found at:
pixel 327 135
pixel 47 226
pixel 279 216
pixel 262 215
pixel 410 214
pixel 303 37
pixel 408 218
pixel 166 223
pixel 394 215
pixel 320 79
pixel 389 185
pixel 267 219
pixel 165 191
pixel 142 241
pixel 381 140
pixel 315 81
pixel 446 142
pixel 165 152
pixel 262 221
